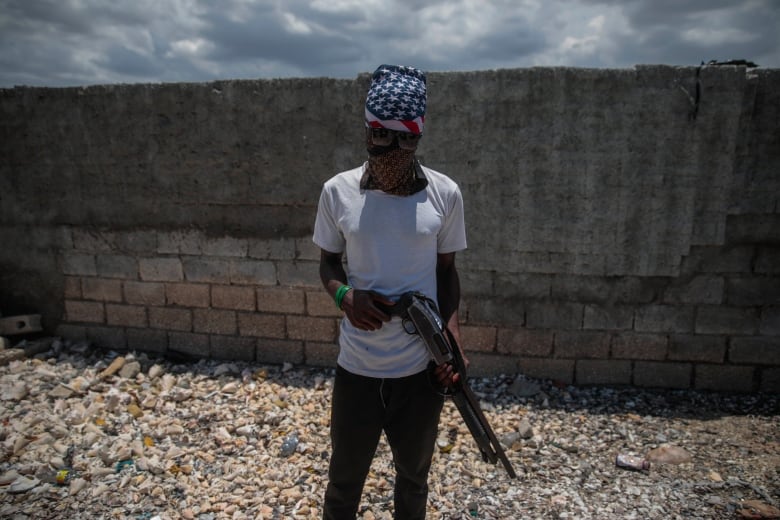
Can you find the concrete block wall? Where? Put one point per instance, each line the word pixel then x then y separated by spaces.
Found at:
pixel 188 294
pixel 700 330
pixel 620 230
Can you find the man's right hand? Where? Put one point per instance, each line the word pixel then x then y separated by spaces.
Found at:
pixel 360 308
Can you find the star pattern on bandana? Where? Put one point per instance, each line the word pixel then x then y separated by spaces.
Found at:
pixel 397 93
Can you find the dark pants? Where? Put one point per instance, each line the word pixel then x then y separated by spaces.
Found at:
pixel 407 409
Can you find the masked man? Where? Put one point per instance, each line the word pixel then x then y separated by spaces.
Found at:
pixel 398 224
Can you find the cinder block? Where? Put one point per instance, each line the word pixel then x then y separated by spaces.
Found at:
pixel 753 229
pixel 101 289
pixel 252 272
pixel 319 303
pixel 770 380
pixel 491 365
pixel 581 345
pixel 719 260
pixel 311 329
pixel 578 263
pixel 274 249
pixel 262 325
pixel 664 318
pixel 212 321
pixel 71 332
pixel 716 319
pixel 768 260
pixel 630 345
pixel 137 241
pixel 107 337
pixel 598 317
pixel 602 372
pixel 179 242
pixel 87 312
pixel 192 345
pixel 505 311
pixel 475 284
pixel 20 324
pixel 477 339
pixel 756 350
pixel 706 289
pixel 126 315
pixel 72 288
pixel 147 340
pixel 169 318
pixel 117 266
pixel 525 342
pixel 305 249
pixel 522 285
pixel 233 348
pixel 724 378
pixel 770 321
pixel 197 269
pixel 92 240
pixel 160 269
pixel 144 293
pixel 705 349
pixel 321 354
pixel 79 264
pixel 224 246
pixel 284 300
pixel 521 261
pixel 754 291
pixel 280 351
pixel 298 274
pixel 187 294
pixel 615 290
pixel 652 374
pixel 560 315
pixel 558 370
pixel 233 297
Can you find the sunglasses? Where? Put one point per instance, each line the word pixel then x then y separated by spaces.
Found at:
pixel 384 137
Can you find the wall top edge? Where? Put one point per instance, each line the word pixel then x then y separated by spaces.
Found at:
pixel 364 76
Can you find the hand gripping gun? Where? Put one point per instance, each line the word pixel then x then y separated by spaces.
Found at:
pixel 421 316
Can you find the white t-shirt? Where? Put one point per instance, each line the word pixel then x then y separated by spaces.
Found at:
pixel 390 244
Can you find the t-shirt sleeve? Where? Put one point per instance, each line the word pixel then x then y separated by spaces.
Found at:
pixel 326 232
pixel 452 236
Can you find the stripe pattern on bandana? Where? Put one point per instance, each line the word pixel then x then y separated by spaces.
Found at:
pixel 397 99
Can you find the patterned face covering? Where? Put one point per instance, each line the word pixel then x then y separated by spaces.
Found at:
pixel 390 169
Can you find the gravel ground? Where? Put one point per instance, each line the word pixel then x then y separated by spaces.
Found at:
pixel 93 434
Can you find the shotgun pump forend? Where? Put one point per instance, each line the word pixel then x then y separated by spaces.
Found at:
pixel 421 316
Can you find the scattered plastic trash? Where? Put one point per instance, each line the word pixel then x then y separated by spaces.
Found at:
pixel 289 444
pixel 63 477
pixel 122 464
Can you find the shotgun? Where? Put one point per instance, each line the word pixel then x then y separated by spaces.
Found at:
pixel 421 316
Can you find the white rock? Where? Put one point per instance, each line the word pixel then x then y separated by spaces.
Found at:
pixel 155 371
pixel 8 477
pixel 23 484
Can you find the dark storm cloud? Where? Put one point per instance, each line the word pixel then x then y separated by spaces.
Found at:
pixel 79 42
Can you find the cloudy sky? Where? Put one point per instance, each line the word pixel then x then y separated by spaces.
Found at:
pixel 84 42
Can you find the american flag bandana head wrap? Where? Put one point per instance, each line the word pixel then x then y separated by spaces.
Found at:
pixel 396 99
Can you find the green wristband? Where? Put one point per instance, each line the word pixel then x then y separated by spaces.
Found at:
pixel 340 293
